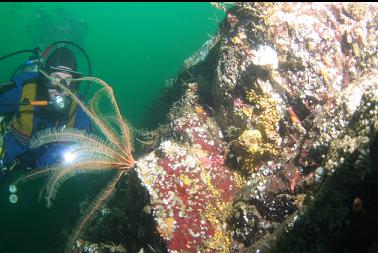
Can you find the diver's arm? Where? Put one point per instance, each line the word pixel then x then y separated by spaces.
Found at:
pixel 10 94
pixel 7 86
pixel 82 121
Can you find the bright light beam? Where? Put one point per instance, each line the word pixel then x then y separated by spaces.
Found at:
pixel 69 157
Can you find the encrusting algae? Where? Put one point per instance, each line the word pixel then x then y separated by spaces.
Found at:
pixel 261 139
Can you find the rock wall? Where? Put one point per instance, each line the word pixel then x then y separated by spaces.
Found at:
pixel 276 130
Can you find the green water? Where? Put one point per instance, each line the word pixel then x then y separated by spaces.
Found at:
pixel 135 47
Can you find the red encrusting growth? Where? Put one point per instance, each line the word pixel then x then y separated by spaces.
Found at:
pixel 190 186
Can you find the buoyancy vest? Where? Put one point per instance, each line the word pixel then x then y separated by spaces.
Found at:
pixel 23 123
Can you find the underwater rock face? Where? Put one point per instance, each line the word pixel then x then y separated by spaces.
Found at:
pixel 89 247
pixel 293 89
pixel 273 146
pixel 190 185
pixel 289 79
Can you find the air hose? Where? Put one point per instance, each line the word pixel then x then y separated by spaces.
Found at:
pixel 34 51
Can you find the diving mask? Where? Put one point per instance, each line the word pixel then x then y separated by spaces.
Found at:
pixel 67 70
pixel 60 78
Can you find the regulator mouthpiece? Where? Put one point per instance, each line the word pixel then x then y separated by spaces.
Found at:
pixel 59 102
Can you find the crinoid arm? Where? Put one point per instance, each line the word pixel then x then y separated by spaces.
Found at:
pixel 93 208
pixel 99 106
pixel 125 144
pixel 89 154
pixel 102 125
pixel 71 135
pixel 121 139
pixel 33 175
pixel 67 171
pixel 106 94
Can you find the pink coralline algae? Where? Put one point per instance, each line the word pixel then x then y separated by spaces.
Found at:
pixel 189 184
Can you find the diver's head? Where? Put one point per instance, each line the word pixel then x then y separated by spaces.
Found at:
pixel 61 56
pixel 61 60
pixel 60 65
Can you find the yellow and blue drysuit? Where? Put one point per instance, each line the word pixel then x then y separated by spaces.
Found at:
pixel 30 119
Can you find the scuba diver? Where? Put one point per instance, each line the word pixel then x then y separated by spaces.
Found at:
pixel 32 102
